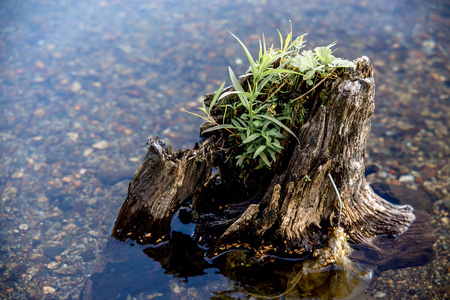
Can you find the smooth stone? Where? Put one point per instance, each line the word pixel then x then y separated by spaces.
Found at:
pixel 379 294
pixel 406 178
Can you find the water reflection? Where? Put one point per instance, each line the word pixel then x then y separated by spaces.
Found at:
pixel 179 269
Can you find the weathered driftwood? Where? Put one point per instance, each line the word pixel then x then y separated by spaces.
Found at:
pixel 287 208
pixel 163 181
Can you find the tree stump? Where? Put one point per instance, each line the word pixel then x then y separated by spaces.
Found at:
pixel 287 208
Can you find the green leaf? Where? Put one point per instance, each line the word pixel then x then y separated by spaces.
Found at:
pixel 272 155
pixel 197 115
pixel 240 160
pixel 261 50
pixel 217 127
pixel 216 96
pixel 257 110
pixel 279 71
pixel 281 125
pixel 275 133
pixel 277 145
pixel 342 63
pixel 281 39
pixel 237 125
pixel 256 123
pixel 259 150
pixel 324 55
pixel 249 56
pixel 266 124
pixel 226 94
pixel 244 124
pixel 250 149
pixel 238 88
pixel 287 43
pixel 264 158
pixel 310 74
pixel 305 61
pixel 251 138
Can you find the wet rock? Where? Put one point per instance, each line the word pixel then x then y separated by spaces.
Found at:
pixel 445 221
pixel 48 290
pixel 80 206
pixel 379 294
pixel 76 87
pixel 41 259
pixel 42 199
pixel 88 152
pixel 430 170
pixel 175 288
pixel 101 145
pixel 406 178
pixel 52 265
pixel 52 251
pixel 88 255
pixel 23 227
pixel 67 270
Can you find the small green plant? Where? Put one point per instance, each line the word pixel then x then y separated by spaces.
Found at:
pixel 256 114
pixel 258 129
pixel 320 63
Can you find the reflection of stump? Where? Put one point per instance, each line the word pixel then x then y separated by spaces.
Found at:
pixel 286 208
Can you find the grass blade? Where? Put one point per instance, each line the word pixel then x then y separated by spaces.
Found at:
pixel 216 96
pixel 217 127
pixel 238 87
pixel 197 115
pixel 249 56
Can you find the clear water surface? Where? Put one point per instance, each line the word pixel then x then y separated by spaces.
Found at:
pixel 83 84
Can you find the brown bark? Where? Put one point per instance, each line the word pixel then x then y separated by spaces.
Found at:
pixel 163 181
pixel 286 208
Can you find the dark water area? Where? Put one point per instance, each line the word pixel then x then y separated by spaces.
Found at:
pixel 83 84
pixel 180 269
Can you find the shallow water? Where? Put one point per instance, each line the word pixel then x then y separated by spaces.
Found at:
pixel 84 83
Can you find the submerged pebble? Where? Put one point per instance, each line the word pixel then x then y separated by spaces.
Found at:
pixel 406 178
pixel 48 290
pixel 101 145
pixel 23 226
pixel 379 294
